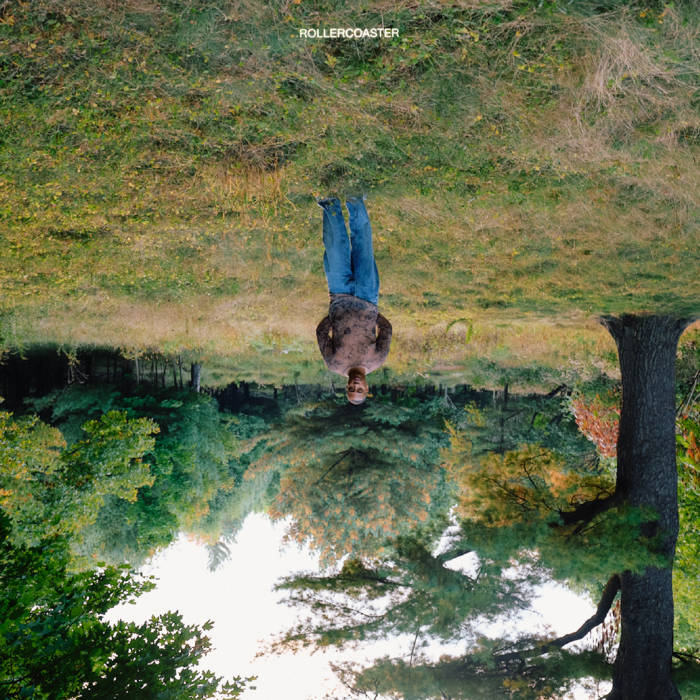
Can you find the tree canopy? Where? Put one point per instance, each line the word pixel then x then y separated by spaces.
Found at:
pixel 55 644
pixel 49 489
pixel 352 479
pixel 526 510
pixel 192 463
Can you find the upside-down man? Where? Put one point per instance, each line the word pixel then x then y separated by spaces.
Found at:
pixel 354 338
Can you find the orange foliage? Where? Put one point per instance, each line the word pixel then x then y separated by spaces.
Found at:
pixel 599 422
pixel 354 506
pixel 521 484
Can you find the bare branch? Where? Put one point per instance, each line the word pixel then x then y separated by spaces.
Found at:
pixel 343 455
pixel 585 512
pixel 686 402
pixel 606 601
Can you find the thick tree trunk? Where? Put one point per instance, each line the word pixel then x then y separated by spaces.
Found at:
pixel 646 476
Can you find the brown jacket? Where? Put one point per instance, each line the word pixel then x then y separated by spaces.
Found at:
pixel 347 338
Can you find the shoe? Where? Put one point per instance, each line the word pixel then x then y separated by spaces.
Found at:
pixel 327 201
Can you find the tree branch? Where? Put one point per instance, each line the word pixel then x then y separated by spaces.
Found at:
pixel 604 605
pixel 689 398
pixel 413 646
pixel 451 554
pixel 585 512
pixel 606 601
pixel 383 580
pixel 343 455
pixel 555 391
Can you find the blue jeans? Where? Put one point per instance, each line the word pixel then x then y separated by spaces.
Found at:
pixel 349 271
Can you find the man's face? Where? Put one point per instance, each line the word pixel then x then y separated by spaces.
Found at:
pixel 357 390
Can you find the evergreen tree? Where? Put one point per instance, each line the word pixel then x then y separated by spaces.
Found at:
pixel 477 677
pixel 647 476
pixel 352 479
pixel 412 591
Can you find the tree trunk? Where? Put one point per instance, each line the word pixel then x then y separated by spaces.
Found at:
pixel 504 405
pixel 646 476
pixel 195 376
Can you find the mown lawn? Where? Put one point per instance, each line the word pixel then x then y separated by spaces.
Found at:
pixel 529 165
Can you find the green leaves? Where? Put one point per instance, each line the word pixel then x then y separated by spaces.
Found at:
pixel 146 465
pixel 55 645
pixel 686 571
pixel 111 454
pixel 48 490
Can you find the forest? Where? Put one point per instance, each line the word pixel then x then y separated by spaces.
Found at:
pixel 98 475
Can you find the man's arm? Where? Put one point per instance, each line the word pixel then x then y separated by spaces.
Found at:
pixel 383 336
pixel 325 344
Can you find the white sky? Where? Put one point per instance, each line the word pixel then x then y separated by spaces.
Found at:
pixel 238 597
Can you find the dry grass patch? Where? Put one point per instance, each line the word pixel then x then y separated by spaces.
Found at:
pixel 635 74
pixel 627 82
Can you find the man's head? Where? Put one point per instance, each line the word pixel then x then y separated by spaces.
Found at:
pixel 356 389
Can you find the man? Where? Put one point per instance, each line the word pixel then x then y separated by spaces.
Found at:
pixel 354 338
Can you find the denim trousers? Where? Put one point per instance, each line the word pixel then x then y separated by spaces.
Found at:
pixel 349 263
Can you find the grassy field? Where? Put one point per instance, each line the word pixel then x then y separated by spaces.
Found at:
pixel 529 165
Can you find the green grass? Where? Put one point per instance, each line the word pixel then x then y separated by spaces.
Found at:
pixel 524 162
